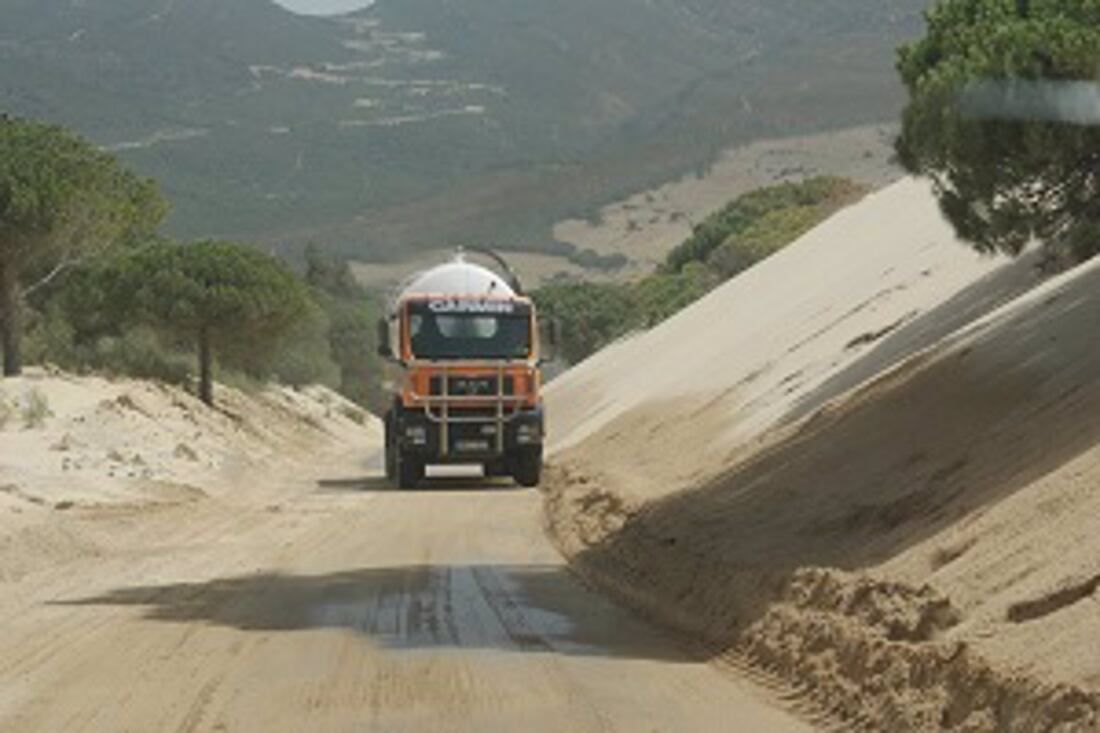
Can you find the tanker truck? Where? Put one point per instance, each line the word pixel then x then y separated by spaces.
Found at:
pixel 465 344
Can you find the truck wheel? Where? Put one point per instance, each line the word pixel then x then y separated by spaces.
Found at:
pixel 496 469
pixel 410 471
pixel 527 467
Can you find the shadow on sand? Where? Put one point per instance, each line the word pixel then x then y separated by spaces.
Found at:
pixel 532 609
pixel 433 484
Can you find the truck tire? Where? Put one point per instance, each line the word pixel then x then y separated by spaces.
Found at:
pixel 527 467
pixel 496 469
pixel 409 469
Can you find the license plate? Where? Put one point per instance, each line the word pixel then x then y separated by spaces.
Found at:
pixel 472 446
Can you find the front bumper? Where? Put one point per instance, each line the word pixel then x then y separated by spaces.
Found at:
pixel 469 437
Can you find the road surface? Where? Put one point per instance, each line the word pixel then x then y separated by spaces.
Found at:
pixel 336 604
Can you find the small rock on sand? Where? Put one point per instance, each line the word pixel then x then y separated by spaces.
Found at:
pixel 186 452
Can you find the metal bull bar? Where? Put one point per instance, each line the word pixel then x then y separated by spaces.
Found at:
pixel 437 408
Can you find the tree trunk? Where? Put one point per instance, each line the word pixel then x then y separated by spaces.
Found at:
pixel 11 327
pixel 206 368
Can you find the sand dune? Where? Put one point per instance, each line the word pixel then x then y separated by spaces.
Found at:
pixel 886 276
pixel 75 445
pixel 865 466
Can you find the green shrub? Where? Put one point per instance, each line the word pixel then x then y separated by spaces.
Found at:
pixel 662 295
pixel 50 339
pixel 592 315
pixel 351 313
pixel 242 381
pixel 88 321
pixel 7 411
pixel 748 215
pixel 356 415
pixel 129 352
pixel 592 260
pixel 36 410
pixel 141 353
pixel 305 355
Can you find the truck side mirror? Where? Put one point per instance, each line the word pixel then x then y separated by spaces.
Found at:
pixel 384 349
pixel 550 338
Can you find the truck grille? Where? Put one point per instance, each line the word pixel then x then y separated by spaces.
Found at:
pixel 458 386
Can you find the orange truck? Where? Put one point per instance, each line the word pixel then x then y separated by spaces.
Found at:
pixel 466 342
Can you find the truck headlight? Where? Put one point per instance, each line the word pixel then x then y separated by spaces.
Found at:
pixel 416 434
pixel 528 433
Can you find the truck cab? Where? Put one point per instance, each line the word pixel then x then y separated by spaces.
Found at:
pixel 468 385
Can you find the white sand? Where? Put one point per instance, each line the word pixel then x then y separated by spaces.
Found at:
pixel 849 467
pixel 138 446
pixel 770 336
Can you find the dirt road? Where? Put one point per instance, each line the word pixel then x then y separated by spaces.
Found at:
pixel 331 604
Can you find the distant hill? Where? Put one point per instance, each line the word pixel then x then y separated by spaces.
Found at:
pixel 420 122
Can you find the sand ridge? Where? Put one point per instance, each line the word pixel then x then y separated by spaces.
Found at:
pixel 905 527
pixel 73 447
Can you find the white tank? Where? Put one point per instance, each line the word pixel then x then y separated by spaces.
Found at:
pixel 458 277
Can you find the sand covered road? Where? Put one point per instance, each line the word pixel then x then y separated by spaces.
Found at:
pixel 323 601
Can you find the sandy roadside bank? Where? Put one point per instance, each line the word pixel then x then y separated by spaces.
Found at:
pixel 902 550
pixel 73 448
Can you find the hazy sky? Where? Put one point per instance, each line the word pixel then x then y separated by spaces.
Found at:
pixel 323 7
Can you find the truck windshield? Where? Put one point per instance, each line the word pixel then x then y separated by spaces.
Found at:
pixel 469 335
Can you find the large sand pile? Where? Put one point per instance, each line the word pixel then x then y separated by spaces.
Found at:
pixel 852 468
pixel 73 446
pixel 873 284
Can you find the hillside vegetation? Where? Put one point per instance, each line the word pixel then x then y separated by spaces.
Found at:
pixel 733 239
pixel 88 283
pixel 97 320
pixel 414 124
